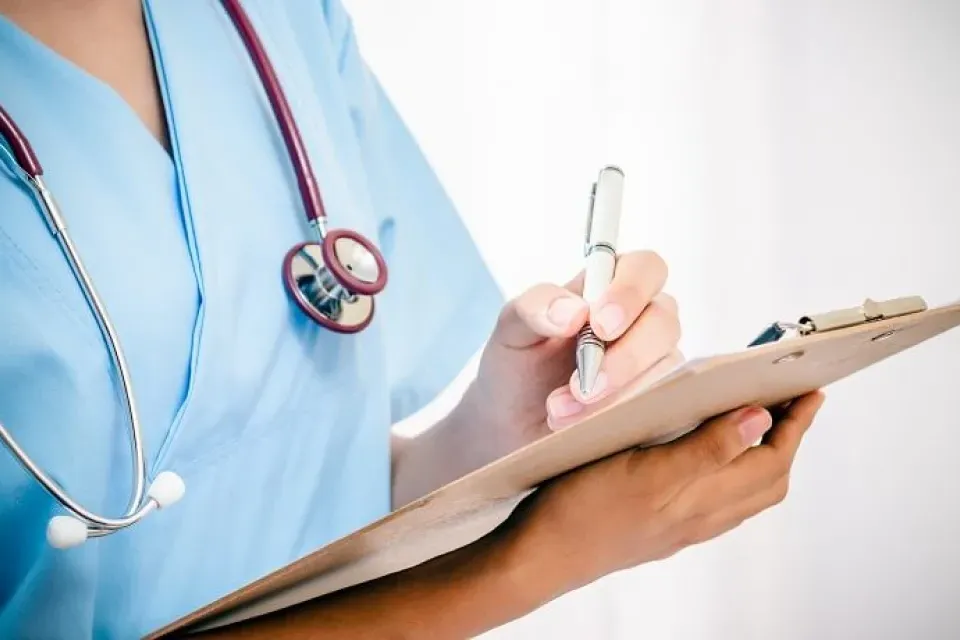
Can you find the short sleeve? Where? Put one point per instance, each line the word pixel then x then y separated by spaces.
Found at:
pixel 441 301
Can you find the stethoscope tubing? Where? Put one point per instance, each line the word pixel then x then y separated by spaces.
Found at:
pixel 134 509
pixel 306 180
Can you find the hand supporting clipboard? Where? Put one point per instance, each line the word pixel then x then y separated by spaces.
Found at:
pixel 771 371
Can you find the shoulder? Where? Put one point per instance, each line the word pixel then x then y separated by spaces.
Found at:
pixel 326 22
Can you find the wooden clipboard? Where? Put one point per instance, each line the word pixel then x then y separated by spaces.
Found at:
pixel 775 368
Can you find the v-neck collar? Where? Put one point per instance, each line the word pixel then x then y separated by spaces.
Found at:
pixel 71 77
pixel 186 208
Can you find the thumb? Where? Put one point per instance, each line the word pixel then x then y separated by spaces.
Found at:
pixel 717 442
pixel 543 311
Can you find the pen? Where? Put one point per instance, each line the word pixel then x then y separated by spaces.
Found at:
pixel 600 254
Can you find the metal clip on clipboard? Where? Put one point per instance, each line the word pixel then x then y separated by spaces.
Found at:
pixel 869 311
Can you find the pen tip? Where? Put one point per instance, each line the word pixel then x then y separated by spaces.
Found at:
pixel 588 366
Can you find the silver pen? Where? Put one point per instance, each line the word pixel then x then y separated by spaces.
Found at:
pixel 600 254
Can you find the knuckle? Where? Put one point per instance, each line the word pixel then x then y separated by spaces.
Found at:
pixel 783 463
pixel 780 490
pixel 626 292
pixel 507 312
pixel 535 298
pixel 664 307
pixel 539 291
pixel 654 261
pixel 774 464
pixel 675 330
pixel 652 481
pixel 649 274
pixel 668 302
pixel 716 450
pixel 696 531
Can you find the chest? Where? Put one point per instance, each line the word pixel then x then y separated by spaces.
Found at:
pixel 184 248
pixel 264 414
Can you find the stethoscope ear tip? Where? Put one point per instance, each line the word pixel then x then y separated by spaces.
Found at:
pixel 64 532
pixel 167 489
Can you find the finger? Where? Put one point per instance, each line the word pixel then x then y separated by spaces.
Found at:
pixel 564 410
pixel 789 431
pixel 651 338
pixel 758 468
pixel 651 376
pixel 576 284
pixel 638 278
pixel 773 458
pixel 709 448
pixel 543 311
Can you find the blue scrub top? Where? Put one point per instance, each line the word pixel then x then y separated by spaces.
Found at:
pixel 280 429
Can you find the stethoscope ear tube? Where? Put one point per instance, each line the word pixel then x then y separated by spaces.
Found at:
pixel 59 531
pixel 64 532
pixel 68 531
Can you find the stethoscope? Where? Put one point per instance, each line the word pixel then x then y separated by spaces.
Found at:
pixel 332 279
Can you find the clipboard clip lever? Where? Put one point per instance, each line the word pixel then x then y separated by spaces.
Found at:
pixel 869 311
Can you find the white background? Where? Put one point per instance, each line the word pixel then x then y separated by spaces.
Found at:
pixel 785 158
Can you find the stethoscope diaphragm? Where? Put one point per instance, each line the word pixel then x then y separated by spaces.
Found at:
pixel 334 281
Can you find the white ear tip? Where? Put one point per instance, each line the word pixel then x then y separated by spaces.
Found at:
pixel 167 489
pixel 64 532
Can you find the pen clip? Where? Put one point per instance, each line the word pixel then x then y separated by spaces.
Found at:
pixel 586 233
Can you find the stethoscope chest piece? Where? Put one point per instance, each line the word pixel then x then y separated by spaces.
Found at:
pixel 334 281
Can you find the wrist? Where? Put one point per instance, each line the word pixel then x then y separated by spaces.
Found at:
pixel 479 434
pixel 443 453
pixel 466 438
pixel 467 592
pixel 535 568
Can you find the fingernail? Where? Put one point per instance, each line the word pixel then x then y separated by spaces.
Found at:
pixel 609 319
pixel 563 310
pixel 599 387
pixel 753 423
pixel 562 405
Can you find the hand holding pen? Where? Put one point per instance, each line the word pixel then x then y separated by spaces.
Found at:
pixel 628 332
pixel 623 293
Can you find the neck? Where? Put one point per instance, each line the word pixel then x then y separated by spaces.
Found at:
pixel 107 39
pixel 68 25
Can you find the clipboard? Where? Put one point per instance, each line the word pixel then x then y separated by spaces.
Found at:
pixel 786 360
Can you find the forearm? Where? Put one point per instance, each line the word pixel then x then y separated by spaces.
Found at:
pixel 445 452
pixel 460 595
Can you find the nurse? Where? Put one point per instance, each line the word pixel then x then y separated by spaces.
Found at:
pixel 160 146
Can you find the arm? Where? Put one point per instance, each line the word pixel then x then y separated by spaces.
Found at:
pixel 636 507
pixel 447 451
pixel 459 595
